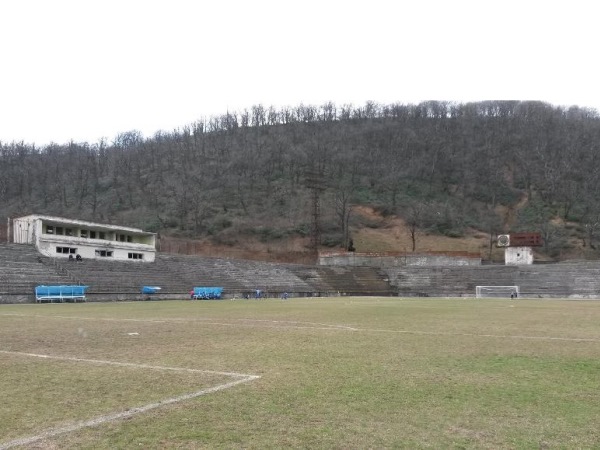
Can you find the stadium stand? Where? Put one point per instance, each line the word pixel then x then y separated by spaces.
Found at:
pixel 559 280
pixel 176 274
pixel 124 279
pixel 22 268
pixel 346 280
pixel 449 281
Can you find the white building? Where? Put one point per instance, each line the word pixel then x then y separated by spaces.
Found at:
pixel 64 238
pixel 518 247
pixel 518 256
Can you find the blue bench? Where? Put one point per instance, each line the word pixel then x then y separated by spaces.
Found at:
pixel 60 293
pixel 150 289
pixel 207 293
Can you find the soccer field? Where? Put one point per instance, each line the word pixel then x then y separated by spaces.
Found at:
pixel 345 373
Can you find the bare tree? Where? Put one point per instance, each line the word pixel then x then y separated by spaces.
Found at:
pixel 414 216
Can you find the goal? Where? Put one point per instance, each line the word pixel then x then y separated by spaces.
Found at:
pixel 497 291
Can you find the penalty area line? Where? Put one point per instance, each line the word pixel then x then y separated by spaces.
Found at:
pixel 52 432
pixel 126 364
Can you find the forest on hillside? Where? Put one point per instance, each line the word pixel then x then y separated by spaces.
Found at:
pixel 271 173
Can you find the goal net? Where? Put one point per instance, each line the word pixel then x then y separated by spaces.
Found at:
pixel 497 291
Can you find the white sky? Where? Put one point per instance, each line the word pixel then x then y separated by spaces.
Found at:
pixel 87 69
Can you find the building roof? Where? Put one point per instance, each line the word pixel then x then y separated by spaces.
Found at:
pixel 82 223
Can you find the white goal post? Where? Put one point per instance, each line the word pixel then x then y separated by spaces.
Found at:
pixel 497 291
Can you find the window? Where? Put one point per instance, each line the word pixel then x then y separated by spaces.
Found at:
pixel 66 250
pixel 129 239
pixel 68 231
pixel 122 237
pixel 92 234
pixel 49 229
pixel 135 255
pixel 104 253
pixel 59 231
pixel 83 233
pixel 101 235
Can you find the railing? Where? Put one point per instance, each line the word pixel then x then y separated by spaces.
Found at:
pixel 63 270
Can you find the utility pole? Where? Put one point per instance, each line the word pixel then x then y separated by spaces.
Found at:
pixel 315 181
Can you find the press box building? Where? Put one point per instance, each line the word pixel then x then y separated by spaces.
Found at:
pixel 63 238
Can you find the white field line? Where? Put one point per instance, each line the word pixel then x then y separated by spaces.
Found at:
pixel 125 364
pixel 299 324
pixel 242 378
pixel 313 326
pixel 108 319
pixel 498 336
pixel 322 326
pixel 282 323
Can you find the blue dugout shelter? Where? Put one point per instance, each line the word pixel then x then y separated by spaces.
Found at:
pixel 60 293
pixel 207 293
pixel 150 289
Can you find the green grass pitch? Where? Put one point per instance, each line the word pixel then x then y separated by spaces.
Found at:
pixel 326 373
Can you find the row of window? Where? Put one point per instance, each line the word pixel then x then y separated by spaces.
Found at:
pixel 59 230
pixel 91 234
pixel 69 250
pixel 99 253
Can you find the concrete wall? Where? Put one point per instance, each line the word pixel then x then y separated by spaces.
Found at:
pixel 375 260
pixel 23 230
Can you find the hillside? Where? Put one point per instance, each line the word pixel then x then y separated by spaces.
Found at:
pixel 278 181
pixel 385 234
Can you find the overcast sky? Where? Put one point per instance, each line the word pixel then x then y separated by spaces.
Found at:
pixel 88 69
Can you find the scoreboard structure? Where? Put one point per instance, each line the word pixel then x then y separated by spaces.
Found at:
pixel 518 247
pixel 520 240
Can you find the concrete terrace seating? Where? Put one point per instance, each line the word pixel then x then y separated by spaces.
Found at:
pixel 124 277
pixel 237 277
pixel 178 274
pixel 567 279
pixel 581 279
pixel 22 268
pixel 347 280
pixel 449 281
pixel 199 271
pixel 242 277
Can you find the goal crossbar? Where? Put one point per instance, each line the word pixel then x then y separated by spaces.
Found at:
pixel 497 291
